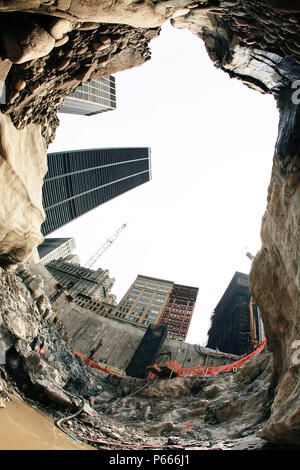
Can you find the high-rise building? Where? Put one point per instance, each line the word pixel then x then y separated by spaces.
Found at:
pixel 80 280
pixel 178 311
pixel 78 181
pixel 94 97
pixel 144 301
pixel 155 301
pixel 230 329
pixel 55 248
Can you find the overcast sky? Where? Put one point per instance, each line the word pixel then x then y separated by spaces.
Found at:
pixel 212 142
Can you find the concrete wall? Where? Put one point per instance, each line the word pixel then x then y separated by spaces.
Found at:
pixel 116 342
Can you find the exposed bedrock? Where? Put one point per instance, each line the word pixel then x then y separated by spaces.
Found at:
pixel 22 168
pixel 275 282
pixel 63 43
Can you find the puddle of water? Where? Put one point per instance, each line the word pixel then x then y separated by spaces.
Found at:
pixel 25 428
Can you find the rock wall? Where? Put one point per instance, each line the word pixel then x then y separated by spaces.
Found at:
pixel 35 353
pixel 63 42
pixel 223 411
pixel 275 282
pixel 22 168
pixel 258 42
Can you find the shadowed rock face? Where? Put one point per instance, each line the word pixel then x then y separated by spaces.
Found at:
pixel 63 43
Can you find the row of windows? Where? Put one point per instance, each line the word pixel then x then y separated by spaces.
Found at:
pixel 141 306
pixel 56 190
pixel 176 328
pixel 120 315
pixel 63 213
pixel 124 309
pixel 96 196
pixel 132 319
pixel 133 297
pixel 151 285
pixel 68 162
pixel 136 312
pixel 96 85
pixel 85 108
pixel 178 316
pixel 91 89
pixel 177 310
pixel 103 97
pixel 96 96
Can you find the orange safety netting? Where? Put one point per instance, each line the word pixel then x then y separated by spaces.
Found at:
pixel 183 371
pixel 93 364
pixel 207 371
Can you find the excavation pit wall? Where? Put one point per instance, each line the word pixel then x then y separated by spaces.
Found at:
pixel 88 332
pixel 224 411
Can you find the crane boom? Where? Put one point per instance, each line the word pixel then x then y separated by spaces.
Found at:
pixel 104 247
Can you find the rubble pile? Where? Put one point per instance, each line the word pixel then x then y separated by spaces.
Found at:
pixel 113 412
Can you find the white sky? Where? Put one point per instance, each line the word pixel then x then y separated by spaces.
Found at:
pixel 212 142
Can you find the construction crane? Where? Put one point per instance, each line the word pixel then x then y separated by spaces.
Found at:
pixel 104 247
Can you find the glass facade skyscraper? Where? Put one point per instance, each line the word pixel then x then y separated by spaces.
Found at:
pixel 78 181
pixel 94 97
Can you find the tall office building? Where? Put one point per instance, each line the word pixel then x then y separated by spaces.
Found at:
pixel 230 323
pixel 178 311
pixel 94 97
pixel 80 280
pixel 80 180
pixel 158 302
pixel 144 301
pixel 55 248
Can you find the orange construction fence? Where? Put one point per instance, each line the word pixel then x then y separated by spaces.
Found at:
pixel 207 371
pixel 183 371
pixel 90 363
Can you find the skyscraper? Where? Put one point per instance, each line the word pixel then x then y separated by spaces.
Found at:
pixel 158 302
pixel 230 329
pixel 94 97
pixel 178 311
pixel 144 301
pixel 55 248
pixel 80 180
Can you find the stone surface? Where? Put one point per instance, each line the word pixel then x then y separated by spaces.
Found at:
pixel 57 73
pixel 59 27
pixel 23 166
pixel 275 281
pixel 254 41
pixel 23 41
pixel 222 412
pixel 5 66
